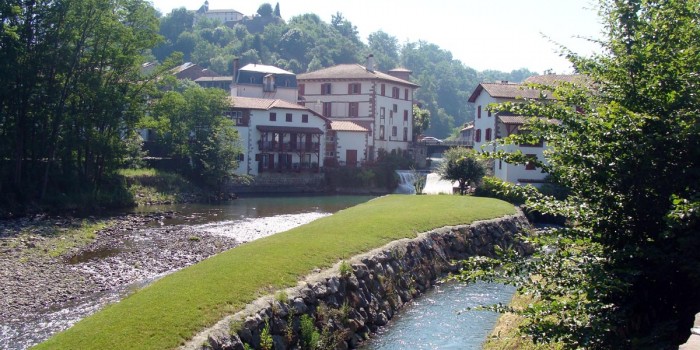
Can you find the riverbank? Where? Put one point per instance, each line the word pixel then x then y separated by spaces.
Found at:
pixel 174 308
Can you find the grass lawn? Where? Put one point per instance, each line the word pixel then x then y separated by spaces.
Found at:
pixel 170 311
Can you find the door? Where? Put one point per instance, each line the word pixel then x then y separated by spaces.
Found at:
pixel 351 157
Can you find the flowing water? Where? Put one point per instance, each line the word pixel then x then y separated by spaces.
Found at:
pixel 440 319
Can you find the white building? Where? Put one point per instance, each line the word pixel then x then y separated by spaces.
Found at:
pixel 262 81
pixel 380 105
pixel 492 125
pixel 226 16
pixel 278 136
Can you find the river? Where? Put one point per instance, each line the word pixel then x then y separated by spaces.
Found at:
pixel 125 260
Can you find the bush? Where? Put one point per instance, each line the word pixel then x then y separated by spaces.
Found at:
pixel 496 188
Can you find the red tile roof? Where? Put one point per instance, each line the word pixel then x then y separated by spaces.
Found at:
pixel 516 91
pixel 343 125
pixel 267 104
pixel 351 71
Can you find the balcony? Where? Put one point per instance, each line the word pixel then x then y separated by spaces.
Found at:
pixel 274 146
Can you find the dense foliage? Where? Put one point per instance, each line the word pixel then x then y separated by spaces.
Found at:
pixel 70 89
pixel 306 43
pixel 623 273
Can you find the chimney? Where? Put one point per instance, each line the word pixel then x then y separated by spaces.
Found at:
pixel 370 63
pixel 234 79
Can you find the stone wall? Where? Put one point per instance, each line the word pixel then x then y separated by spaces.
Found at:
pixel 351 300
pixel 282 183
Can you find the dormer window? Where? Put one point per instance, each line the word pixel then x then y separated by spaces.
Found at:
pixel 269 83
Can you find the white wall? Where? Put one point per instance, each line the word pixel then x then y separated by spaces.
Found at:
pixel 504 171
pixel 256 91
pixel 340 98
pixel 351 140
pixel 251 135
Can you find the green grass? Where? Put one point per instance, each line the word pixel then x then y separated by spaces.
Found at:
pixel 506 336
pixel 154 186
pixel 170 311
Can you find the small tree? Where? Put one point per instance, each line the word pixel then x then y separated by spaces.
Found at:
pixel 462 165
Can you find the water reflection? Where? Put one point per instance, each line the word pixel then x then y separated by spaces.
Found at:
pixel 434 322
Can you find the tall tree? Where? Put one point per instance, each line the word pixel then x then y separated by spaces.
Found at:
pixel 71 87
pixel 385 49
pixel 623 272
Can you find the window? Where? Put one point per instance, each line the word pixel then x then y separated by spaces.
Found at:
pixel 382 113
pixel 395 92
pixel 235 116
pixel 326 89
pixel 489 112
pixel 405 134
pixel 405 115
pixel 354 89
pixel 289 117
pixel 383 89
pixel 353 109
pixel 381 132
pixel 477 137
pixel 241 157
pixel 478 112
pixel 393 131
pixel 327 109
pixel 530 165
pixel 405 94
pixel 488 134
pixel 273 117
pixel 395 108
pixel 302 89
pixel 500 163
pixel 304 118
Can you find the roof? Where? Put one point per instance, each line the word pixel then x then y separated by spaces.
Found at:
pixel 514 90
pixel 297 129
pixel 520 119
pixel 213 79
pixel 346 125
pixel 263 103
pixel 506 90
pixel 351 71
pixel 401 69
pixel 554 79
pixel 261 68
pixel 267 104
pixel 223 11
pixel 468 127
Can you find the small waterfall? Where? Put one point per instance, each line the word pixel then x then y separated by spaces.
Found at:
pixel 406 180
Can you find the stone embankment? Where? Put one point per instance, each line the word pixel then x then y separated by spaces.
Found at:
pixel 351 300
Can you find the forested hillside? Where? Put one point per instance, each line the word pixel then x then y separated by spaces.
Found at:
pixel 307 42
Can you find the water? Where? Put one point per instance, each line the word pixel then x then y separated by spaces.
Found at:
pixel 406 180
pixel 437 320
pixel 244 219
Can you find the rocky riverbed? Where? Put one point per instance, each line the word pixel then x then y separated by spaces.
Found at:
pixel 44 294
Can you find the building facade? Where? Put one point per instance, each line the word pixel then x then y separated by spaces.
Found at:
pixel 491 125
pixel 367 101
pixel 278 136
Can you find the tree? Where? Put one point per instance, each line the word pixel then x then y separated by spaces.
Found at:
pixel 70 88
pixel 623 272
pixel 189 123
pixel 462 165
pixel 385 49
pixel 265 10
pixel 421 120
pixel 277 10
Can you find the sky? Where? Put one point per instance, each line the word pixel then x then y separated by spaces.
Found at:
pixel 488 34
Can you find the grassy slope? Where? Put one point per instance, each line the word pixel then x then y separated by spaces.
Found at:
pixel 166 313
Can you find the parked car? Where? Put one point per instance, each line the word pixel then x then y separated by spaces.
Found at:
pixel 430 140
